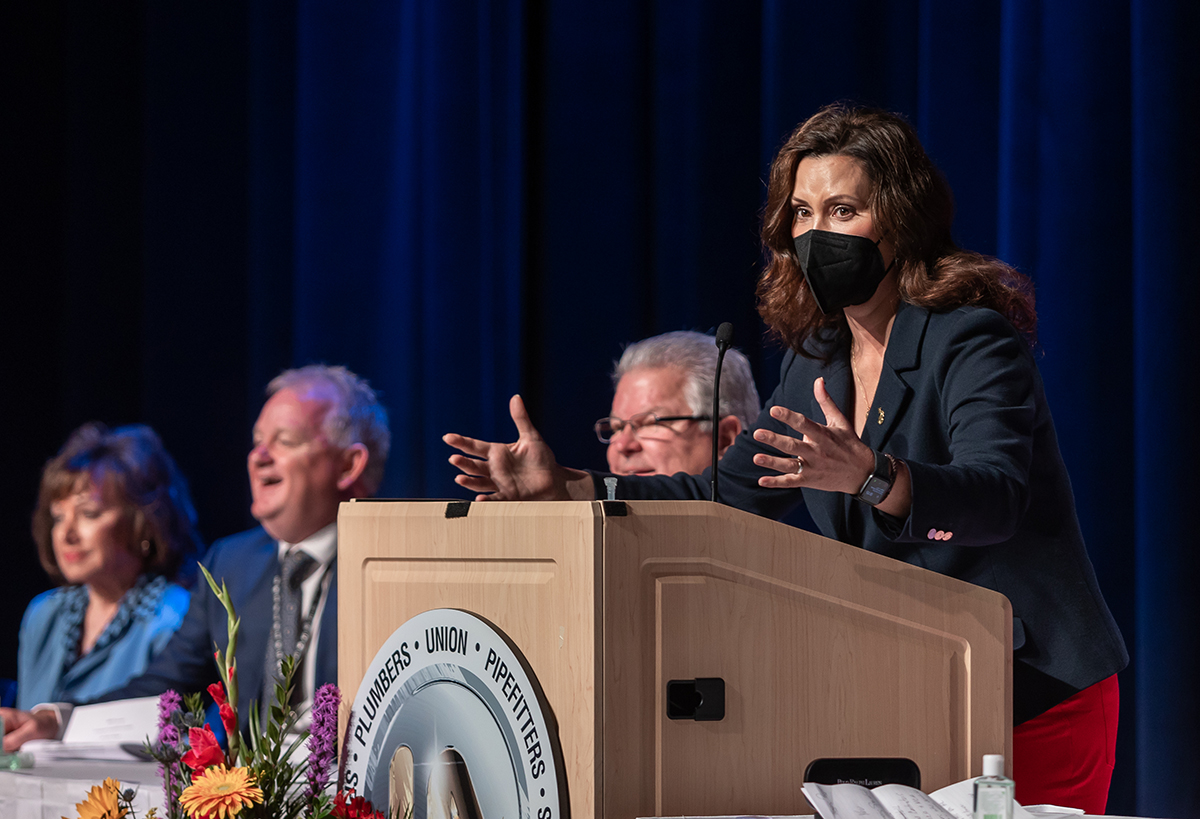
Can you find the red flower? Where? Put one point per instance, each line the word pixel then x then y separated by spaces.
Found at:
pixel 205 751
pixel 228 718
pixel 354 807
pixel 217 692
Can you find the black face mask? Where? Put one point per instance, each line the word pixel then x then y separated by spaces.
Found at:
pixel 841 270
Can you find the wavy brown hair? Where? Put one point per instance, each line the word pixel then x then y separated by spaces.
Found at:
pixel 132 463
pixel 912 206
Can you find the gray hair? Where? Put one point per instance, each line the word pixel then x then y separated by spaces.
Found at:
pixel 696 354
pixel 356 416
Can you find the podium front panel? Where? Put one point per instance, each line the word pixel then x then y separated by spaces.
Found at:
pixel 530 569
pixel 825 650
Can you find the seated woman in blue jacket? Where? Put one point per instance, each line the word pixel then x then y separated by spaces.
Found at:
pixel 910 419
pixel 114 526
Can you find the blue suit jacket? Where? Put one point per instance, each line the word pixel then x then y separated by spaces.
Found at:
pixel 960 400
pixel 247 562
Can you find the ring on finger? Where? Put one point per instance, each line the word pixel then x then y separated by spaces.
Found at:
pixel 799 465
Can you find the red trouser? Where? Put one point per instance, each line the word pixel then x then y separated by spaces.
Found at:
pixel 1065 756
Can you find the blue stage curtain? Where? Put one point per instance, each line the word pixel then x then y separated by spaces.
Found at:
pixel 1160 218
pixel 1065 147
pixel 462 200
pixel 408 214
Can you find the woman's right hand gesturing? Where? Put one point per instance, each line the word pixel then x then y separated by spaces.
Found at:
pixel 523 470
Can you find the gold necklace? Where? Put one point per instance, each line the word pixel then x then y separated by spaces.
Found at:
pixel 859 381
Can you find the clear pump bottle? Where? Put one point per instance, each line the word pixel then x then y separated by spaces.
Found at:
pixel 993 790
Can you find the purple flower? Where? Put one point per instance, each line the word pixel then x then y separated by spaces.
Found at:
pixel 168 737
pixel 168 703
pixel 322 741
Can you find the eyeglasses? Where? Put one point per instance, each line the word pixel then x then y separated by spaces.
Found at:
pixel 644 425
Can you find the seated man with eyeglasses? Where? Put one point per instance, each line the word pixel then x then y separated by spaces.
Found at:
pixel 661 412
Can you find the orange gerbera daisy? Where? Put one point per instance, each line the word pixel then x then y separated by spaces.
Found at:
pixel 101 802
pixel 220 792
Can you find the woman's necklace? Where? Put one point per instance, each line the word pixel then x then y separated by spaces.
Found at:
pixel 858 379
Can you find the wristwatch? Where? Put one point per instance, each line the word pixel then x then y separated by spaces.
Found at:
pixel 880 482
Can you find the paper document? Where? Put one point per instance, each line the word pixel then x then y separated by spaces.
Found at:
pixel 107 730
pixel 896 802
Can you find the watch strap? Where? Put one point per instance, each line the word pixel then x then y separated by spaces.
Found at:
pixel 879 483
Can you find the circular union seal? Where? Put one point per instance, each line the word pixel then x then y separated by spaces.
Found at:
pixel 447 724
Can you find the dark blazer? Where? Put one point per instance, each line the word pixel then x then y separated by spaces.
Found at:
pixel 248 563
pixel 960 400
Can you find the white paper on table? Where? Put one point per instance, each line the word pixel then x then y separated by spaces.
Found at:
pixel 108 730
pixel 847 801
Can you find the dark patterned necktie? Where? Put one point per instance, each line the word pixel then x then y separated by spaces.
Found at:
pixel 296 566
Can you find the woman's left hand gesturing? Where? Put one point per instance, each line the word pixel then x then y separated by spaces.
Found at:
pixel 831 456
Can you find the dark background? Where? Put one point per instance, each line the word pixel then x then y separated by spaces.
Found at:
pixel 461 200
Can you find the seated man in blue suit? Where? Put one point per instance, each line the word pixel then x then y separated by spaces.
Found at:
pixel 321 438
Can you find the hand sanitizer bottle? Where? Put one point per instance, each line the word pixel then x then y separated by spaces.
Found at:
pixel 993 790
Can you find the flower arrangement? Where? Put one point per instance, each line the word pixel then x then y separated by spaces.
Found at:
pixel 256 777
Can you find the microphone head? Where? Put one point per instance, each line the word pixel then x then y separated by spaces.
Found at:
pixel 724 334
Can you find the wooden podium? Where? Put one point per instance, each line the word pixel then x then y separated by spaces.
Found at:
pixel 826 650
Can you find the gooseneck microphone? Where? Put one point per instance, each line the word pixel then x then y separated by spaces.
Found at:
pixel 724 338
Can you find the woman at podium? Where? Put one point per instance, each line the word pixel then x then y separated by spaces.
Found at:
pixel 911 419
